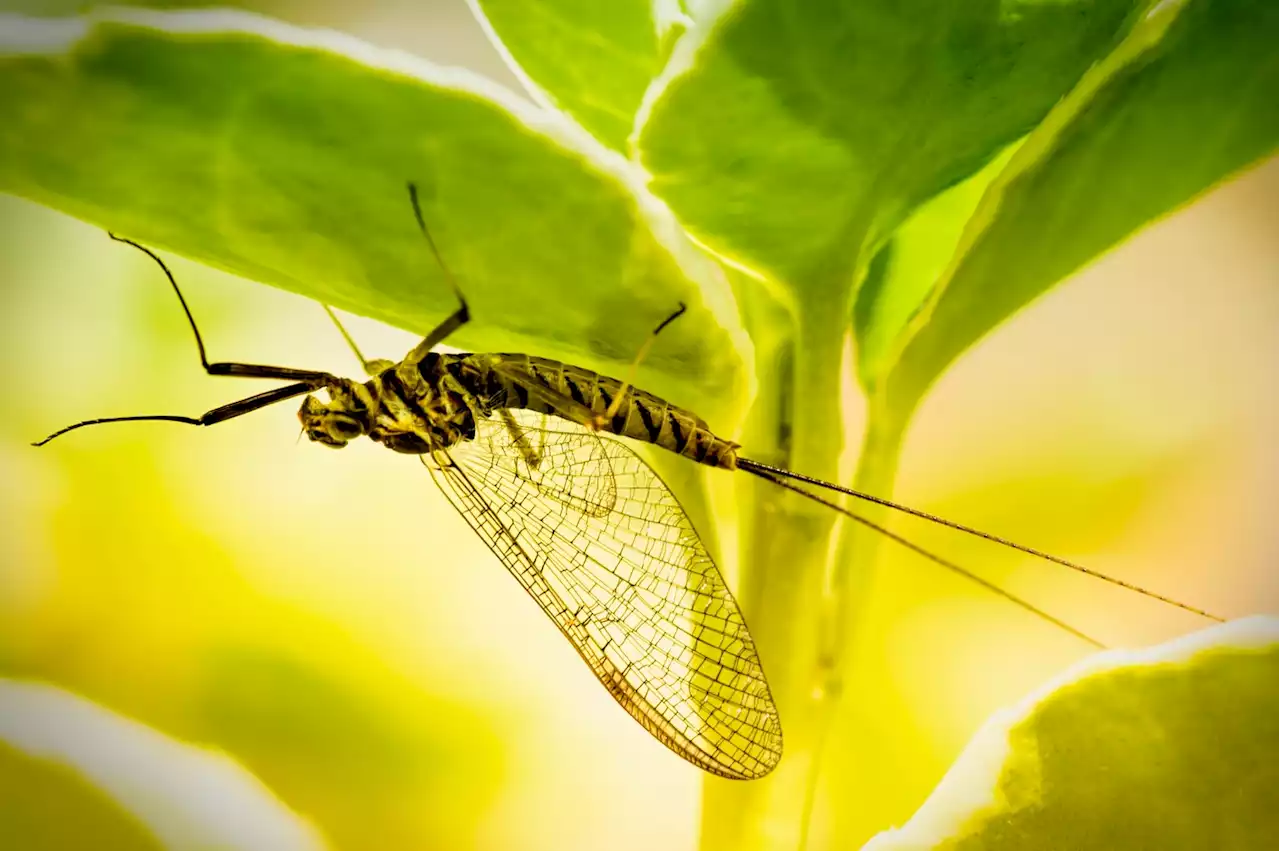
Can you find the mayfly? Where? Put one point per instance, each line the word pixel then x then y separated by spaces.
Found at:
pixel 524 448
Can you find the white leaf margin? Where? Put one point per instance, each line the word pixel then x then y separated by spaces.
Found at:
pixel 25 35
pixel 971 786
pixel 189 798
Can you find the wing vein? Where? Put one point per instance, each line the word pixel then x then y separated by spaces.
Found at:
pixel 601 544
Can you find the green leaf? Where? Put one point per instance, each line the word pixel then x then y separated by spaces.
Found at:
pixel 161 784
pixel 902 274
pixel 790 136
pixel 1189 99
pixel 282 155
pixel 1174 747
pixel 35 797
pixel 590 59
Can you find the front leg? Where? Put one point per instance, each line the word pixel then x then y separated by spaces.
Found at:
pixel 459 317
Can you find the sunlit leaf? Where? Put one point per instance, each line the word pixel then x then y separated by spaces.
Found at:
pixel 37 797
pixel 903 273
pixel 1188 100
pixel 797 132
pixel 282 155
pixel 1172 747
pixel 593 60
pixel 188 798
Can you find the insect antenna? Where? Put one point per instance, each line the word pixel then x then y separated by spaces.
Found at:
pixel 237 408
pixel 778 476
pixel 933 557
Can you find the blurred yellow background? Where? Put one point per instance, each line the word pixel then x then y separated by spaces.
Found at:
pixel 326 619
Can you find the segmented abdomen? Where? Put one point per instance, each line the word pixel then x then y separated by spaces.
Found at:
pixel 524 381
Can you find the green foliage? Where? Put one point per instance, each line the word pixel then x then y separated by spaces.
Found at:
pixel 917 174
pixel 148 791
pixel 1189 98
pixel 52 808
pixel 903 273
pixel 820 125
pixel 911 174
pixel 593 60
pixel 1172 747
pixel 282 155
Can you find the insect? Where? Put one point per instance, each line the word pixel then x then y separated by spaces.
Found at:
pixel 526 450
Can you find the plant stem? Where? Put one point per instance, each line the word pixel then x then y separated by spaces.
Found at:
pixel 785 546
pixel 850 590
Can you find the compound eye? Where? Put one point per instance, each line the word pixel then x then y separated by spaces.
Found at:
pixel 345 428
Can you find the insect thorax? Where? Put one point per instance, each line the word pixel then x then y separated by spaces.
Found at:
pixel 409 408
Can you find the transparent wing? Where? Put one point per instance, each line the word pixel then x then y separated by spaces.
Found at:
pixel 632 587
pixel 568 466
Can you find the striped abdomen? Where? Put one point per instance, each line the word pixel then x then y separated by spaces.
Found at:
pixel 523 381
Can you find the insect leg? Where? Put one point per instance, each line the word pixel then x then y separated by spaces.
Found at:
pixel 217 415
pixel 600 420
pixel 542 436
pixel 520 439
pixel 241 370
pixel 459 317
pixel 371 367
